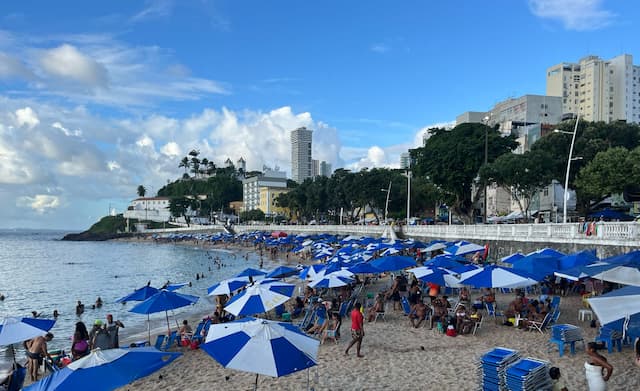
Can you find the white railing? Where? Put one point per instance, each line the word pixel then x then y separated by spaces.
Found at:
pixel 625 234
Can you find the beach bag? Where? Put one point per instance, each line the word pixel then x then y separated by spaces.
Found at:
pixel 194 345
pixel 451 331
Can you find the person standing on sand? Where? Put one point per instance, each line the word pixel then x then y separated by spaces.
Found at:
pixel 357 329
pixel 597 369
pixel 36 352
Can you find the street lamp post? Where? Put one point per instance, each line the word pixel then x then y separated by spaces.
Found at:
pixel 386 204
pixel 408 174
pixel 566 178
pixel 486 160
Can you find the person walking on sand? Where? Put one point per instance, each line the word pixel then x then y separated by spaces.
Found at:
pixel 597 369
pixel 357 329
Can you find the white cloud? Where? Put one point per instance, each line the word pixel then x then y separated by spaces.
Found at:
pixel 67 62
pixel 40 203
pixel 171 149
pixel 113 166
pixel 66 131
pixel 154 9
pixel 26 116
pixel 419 137
pixel 580 15
pixel 380 48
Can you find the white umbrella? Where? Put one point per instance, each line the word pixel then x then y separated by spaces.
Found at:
pixel 617 304
pixel 260 297
pixel 331 280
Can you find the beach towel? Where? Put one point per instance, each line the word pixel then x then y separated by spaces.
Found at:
pixel 594 377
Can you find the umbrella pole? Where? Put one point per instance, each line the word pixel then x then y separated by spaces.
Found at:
pixel 168 326
pixel 256 386
pixel 149 328
pixel 13 351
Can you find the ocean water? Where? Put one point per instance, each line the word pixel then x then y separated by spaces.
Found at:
pixel 39 272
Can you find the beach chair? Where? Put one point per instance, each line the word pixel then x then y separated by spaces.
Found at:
pixel 492 311
pixel 406 307
pixel 541 326
pixel 555 316
pixel 17 378
pixel 477 325
pixel 279 310
pixel 173 339
pixel 344 307
pixel 159 341
pixel 197 335
pixel 380 314
pixel 611 338
pixel 555 302
pixel 331 334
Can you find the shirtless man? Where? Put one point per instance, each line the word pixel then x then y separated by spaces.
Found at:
pixel 439 311
pixel 419 312
pixel 36 352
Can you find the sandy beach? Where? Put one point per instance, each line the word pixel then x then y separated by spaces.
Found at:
pixel 398 356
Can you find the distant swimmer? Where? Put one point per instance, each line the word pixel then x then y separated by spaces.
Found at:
pixel 79 308
pixel 36 314
pixel 1 297
pixel 98 302
pixel 55 313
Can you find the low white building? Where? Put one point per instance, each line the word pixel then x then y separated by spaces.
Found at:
pixel 149 208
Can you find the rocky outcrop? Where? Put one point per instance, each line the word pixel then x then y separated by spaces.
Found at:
pixel 88 236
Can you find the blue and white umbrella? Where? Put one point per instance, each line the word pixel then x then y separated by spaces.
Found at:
pixel 260 298
pixel 251 272
pixel 106 369
pixel 163 301
pixel 364 268
pixel 14 330
pixel 616 305
pixel 497 277
pixel 225 287
pixel 310 272
pixel 392 263
pixel 140 294
pixel 463 248
pixel 282 272
pixel 510 259
pixel 332 280
pixel 435 275
pixel 262 347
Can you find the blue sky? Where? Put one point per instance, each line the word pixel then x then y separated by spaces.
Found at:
pixel 98 99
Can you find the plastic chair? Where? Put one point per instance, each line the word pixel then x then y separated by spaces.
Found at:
pixel 540 326
pixel 478 325
pixel 172 340
pixel 491 310
pixel 380 314
pixel 197 335
pixel 406 307
pixel 610 338
pixel 17 378
pixel 159 341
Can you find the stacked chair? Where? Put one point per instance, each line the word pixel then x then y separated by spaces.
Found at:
pixel 492 368
pixel 528 374
pixel 566 334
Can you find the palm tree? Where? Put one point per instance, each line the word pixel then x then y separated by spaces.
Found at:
pixel 142 191
pixel 204 163
pixel 185 163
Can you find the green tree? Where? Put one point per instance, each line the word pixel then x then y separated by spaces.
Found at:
pixel 141 191
pixel 451 160
pixel 252 215
pixel 186 164
pixel 610 172
pixel 520 175
pixel 179 206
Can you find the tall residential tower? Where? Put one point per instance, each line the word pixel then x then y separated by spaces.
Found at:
pixel 301 163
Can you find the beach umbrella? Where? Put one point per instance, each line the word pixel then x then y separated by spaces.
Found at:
pixel 311 271
pixel 393 262
pixel 435 275
pixel 262 347
pixel 364 268
pixel 539 266
pixel 251 272
pixel 444 260
pixel 225 287
pixel 260 297
pixel 331 280
pixel 389 251
pixel 106 369
pixel 14 330
pixel 463 247
pixel 615 305
pixel 627 274
pixel 140 294
pixel 578 272
pixel 497 277
pixel 512 258
pixel 549 252
pixel 163 301
pixel 580 258
pixel 434 246
pixel 282 272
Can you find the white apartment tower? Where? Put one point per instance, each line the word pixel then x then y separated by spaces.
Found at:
pixel 301 162
pixel 597 89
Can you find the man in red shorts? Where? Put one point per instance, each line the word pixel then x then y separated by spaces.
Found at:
pixel 357 329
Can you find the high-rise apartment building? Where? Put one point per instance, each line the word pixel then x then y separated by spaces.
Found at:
pixel 301 162
pixel 405 160
pixel 597 89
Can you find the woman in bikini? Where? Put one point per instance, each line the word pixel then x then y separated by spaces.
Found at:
pixel 597 369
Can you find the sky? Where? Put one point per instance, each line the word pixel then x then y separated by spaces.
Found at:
pixel 97 98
